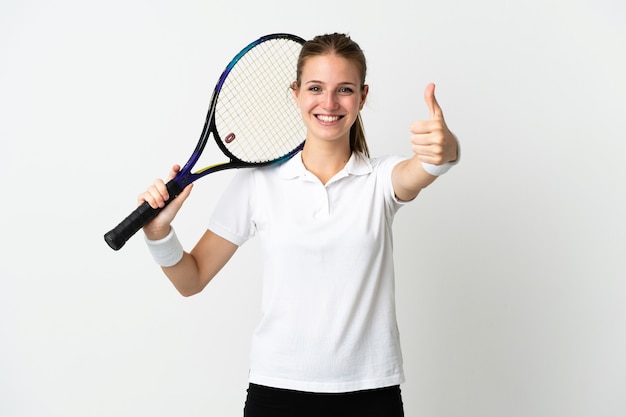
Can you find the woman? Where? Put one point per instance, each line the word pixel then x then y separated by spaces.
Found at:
pixel 327 343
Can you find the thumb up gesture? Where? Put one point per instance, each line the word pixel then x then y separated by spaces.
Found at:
pixel 432 142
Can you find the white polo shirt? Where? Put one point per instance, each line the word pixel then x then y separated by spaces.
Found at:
pixel 329 319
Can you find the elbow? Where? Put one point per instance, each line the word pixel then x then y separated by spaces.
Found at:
pixel 188 292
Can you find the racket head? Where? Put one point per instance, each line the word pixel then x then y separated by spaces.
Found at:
pixel 253 115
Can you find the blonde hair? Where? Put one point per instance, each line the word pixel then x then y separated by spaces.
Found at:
pixel 340 45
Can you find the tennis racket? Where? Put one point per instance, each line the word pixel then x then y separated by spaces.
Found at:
pixel 252 117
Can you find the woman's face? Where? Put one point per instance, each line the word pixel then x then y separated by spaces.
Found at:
pixel 330 97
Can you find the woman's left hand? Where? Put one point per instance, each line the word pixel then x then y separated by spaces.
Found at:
pixel 431 139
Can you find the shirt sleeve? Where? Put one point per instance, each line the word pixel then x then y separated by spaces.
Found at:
pixel 384 170
pixel 232 217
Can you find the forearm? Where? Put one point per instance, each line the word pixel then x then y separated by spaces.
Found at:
pixel 409 178
pixel 185 276
pixel 191 272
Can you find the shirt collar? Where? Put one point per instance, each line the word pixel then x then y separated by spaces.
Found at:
pixel 358 164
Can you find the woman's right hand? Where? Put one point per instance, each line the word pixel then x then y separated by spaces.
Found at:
pixel 156 195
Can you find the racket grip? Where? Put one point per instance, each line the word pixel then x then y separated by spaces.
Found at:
pixel 119 235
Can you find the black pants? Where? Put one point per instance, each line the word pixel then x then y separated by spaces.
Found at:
pixel 274 402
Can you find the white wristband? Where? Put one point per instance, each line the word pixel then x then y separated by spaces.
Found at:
pixel 167 251
pixel 437 170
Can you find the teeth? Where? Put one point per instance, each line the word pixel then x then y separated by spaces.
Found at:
pixel 328 119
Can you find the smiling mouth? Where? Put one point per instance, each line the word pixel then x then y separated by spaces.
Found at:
pixel 328 119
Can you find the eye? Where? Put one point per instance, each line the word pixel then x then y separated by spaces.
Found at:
pixel 315 89
pixel 345 90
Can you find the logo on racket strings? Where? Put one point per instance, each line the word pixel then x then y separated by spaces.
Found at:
pixel 229 138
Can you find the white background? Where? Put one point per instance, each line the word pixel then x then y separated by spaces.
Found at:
pixel 510 269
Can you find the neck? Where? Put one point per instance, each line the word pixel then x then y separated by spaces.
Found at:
pixel 326 160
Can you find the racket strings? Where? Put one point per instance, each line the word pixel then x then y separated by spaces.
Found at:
pixel 256 115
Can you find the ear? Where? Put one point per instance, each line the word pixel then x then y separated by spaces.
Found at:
pixel 364 92
pixel 296 92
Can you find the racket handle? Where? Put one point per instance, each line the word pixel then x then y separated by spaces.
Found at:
pixel 119 235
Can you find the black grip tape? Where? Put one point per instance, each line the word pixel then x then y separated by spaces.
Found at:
pixel 119 235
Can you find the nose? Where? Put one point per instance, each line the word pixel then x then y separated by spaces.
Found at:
pixel 330 101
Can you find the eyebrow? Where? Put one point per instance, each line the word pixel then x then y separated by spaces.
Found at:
pixel 321 82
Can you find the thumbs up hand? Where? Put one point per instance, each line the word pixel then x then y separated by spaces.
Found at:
pixel 436 150
pixel 432 142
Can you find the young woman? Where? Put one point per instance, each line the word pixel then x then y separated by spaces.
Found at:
pixel 328 342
